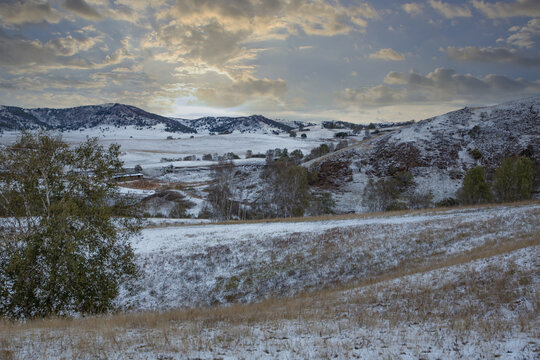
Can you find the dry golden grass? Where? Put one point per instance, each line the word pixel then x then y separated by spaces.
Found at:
pixel 430 211
pixel 154 184
pixel 143 184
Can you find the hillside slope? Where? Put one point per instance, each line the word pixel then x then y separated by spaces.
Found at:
pixel 459 284
pixel 437 151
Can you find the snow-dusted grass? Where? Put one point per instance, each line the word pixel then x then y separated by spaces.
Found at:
pixel 246 262
pixel 446 284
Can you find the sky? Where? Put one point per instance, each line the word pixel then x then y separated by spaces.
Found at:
pixel 376 61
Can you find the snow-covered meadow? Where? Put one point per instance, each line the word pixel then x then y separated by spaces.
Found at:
pixel 452 284
pixel 212 264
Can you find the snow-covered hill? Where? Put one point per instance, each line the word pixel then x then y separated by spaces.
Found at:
pixel 120 116
pixel 437 151
pixel 245 124
pixel 81 117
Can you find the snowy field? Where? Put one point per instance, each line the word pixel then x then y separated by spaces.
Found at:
pixel 148 146
pixel 209 264
pixel 455 284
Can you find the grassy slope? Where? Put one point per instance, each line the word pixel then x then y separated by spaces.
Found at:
pixel 482 301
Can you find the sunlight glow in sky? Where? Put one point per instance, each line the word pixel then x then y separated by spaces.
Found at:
pixel 290 59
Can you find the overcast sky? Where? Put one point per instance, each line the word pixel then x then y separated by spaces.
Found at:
pixel 347 60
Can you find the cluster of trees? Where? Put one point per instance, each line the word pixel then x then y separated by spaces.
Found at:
pixel 395 193
pixel 283 154
pixel 284 191
pixel 324 149
pixel 221 193
pixel 61 249
pixel 512 181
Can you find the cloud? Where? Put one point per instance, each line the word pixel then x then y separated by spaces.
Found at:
pixel 141 5
pixel 441 85
pixel 82 9
pixel 240 92
pixel 210 43
pixel 387 54
pixel 527 8
pixel 450 11
pixel 217 33
pixel 16 51
pixel 524 36
pixel 317 17
pixel 490 54
pixel 32 55
pixel 413 8
pixel 69 45
pixel 19 13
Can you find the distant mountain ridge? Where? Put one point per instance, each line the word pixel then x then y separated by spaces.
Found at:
pixel 120 115
pixel 114 114
pixel 253 123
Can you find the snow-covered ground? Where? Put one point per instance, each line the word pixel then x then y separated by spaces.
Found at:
pixel 148 146
pixel 457 284
pixel 207 264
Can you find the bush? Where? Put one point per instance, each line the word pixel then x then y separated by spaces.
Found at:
pixel 514 179
pixel 379 195
pixel 63 253
pixel 475 132
pixel 475 153
pixel 420 200
pixel 475 188
pixel 403 180
pixel 297 155
pixel 396 206
pixel 392 193
pixel 322 204
pixel 448 202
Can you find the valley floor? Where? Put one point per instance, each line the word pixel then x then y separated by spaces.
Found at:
pixel 441 284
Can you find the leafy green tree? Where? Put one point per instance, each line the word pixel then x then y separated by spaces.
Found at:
pixel 61 250
pixel 514 179
pixel 475 188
